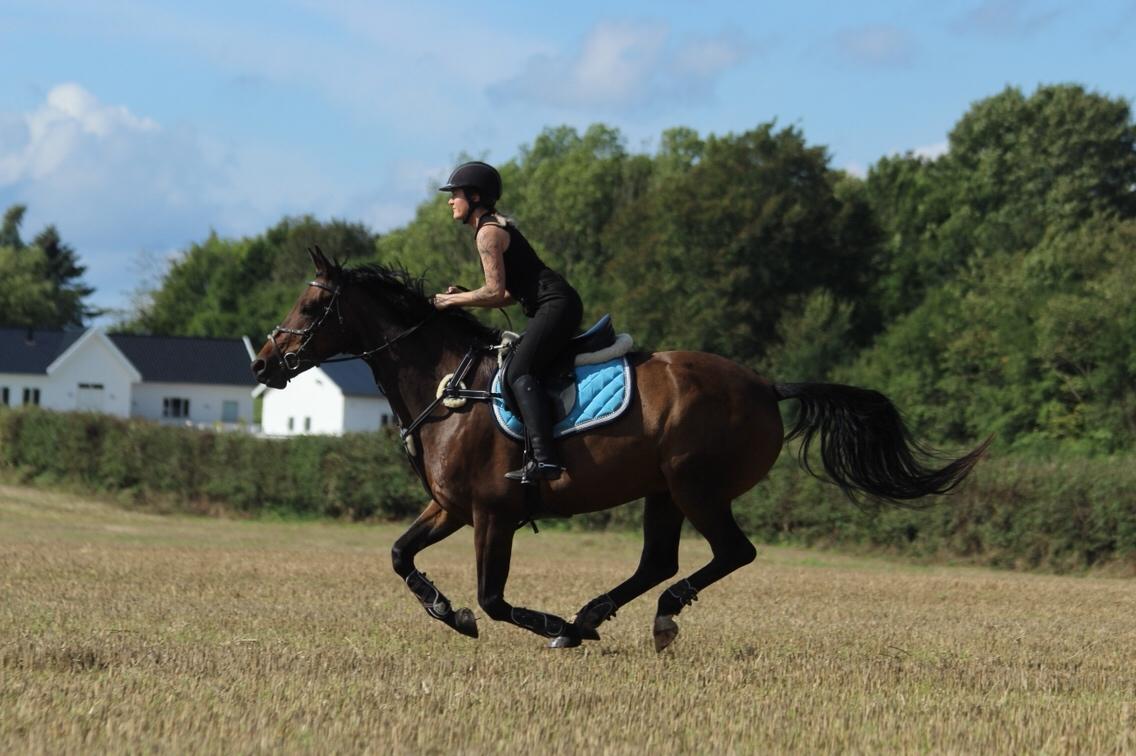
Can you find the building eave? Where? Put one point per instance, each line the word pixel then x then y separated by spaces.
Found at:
pixel 95 333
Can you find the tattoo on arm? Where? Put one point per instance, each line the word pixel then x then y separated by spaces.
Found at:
pixel 491 245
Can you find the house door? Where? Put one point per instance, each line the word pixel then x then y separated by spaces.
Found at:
pixel 90 397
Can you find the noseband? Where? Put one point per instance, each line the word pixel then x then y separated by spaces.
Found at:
pixel 292 360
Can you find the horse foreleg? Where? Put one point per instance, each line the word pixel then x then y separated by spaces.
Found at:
pixel 432 525
pixel 493 539
pixel 662 525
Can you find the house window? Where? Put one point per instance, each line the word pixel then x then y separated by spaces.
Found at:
pixel 175 407
pixel 384 420
pixel 4 396
pixel 31 396
pixel 229 410
pixel 291 423
pixel 307 424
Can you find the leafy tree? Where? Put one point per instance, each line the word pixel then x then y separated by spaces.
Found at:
pixel 25 297
pixel 65 274
pixel 49 273
pixel 711 257
pixel 10 230
pixel 1001 274
pixel 231 288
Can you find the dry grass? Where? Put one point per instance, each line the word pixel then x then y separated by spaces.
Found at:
pixel 122 631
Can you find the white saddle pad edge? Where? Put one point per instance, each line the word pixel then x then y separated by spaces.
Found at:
pixel 622 345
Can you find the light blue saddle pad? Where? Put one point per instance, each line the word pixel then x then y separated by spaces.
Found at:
pixel 603 393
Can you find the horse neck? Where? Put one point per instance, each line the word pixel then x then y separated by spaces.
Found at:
pixel 410 371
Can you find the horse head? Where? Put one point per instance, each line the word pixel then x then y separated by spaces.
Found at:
pixel 314 330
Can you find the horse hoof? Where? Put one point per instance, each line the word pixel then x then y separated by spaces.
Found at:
pixel 564 641
pixel 665 631
pixel 465 623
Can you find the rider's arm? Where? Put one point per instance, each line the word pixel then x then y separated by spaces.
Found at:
pixel 492 242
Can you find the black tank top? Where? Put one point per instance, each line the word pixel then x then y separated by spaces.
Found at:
pixel 527 278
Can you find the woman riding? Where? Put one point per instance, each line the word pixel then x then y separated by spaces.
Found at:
pixel 514 273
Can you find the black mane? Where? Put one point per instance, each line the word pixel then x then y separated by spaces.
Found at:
pixel 406 294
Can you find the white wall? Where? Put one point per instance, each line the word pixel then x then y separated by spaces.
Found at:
pixel 312 395
pixel 364 413
pixel 17 382
pixel 205 402
pixel 92 362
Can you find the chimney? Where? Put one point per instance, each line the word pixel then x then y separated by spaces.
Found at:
pixel 30 337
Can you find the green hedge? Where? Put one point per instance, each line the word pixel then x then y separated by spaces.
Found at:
pixel 355 476
pixel 1054 513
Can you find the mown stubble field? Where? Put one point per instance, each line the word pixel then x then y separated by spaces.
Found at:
pixel 123 631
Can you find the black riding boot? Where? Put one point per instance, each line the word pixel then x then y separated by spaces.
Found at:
pixel 533 405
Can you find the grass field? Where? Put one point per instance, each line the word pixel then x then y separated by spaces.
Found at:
pixel 124 631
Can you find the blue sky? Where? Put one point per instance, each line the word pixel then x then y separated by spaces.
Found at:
pixel 138 127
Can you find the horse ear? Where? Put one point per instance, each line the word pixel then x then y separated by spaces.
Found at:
pixel 319 260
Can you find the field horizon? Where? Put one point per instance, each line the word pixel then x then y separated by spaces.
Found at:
pixel 129 631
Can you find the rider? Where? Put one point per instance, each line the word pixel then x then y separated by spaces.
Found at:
pixel 513 272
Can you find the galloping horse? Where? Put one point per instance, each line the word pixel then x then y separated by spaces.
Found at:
pixel 700 431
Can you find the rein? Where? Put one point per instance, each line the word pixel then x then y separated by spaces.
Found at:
pixel 452 390
pixel 292 361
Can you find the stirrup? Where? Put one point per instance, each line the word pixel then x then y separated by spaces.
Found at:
pixel 533 471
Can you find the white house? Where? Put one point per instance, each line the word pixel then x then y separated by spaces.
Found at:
pixel 334 398
pixel 182 380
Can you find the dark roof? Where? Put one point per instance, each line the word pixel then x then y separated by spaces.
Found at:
pixel 354 378
pixel 187 359
pixel 31 351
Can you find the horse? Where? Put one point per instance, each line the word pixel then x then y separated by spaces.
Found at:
pixel 700 431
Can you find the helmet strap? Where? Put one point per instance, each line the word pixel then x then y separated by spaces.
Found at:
pixel 470 206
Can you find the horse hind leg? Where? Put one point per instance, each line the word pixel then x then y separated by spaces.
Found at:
pixel 731 550
pixel 662 525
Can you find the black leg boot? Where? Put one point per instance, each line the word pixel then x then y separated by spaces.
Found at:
pixel 533 405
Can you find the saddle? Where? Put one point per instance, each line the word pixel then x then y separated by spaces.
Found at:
pixel 558 379
pixel 588 384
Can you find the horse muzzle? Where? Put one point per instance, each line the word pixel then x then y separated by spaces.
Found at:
pixel 264 373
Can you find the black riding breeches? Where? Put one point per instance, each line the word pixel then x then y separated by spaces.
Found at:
pixel 556 320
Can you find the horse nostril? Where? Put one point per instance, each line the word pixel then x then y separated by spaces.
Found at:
pixel 258 367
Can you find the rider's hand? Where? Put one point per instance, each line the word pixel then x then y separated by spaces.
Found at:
pixel 442 301
pixel 455 289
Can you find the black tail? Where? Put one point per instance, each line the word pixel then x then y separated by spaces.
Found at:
pixel 865 447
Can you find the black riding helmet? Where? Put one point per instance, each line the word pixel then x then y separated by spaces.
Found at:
pixel 478 177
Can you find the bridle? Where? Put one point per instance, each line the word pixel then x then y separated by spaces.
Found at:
pixel 293 361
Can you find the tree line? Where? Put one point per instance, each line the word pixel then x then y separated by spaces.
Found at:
pixel 985 290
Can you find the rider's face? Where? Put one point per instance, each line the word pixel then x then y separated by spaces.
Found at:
pixel 459 203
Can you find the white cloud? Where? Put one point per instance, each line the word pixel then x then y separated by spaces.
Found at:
pixel 1004 18
pixel 932 151
pixel 56 130
pixel 879 45
pixel 116 183
pixel 623 65
pixel 406 68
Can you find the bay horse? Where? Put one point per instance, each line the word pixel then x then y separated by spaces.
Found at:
pixel 700 431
